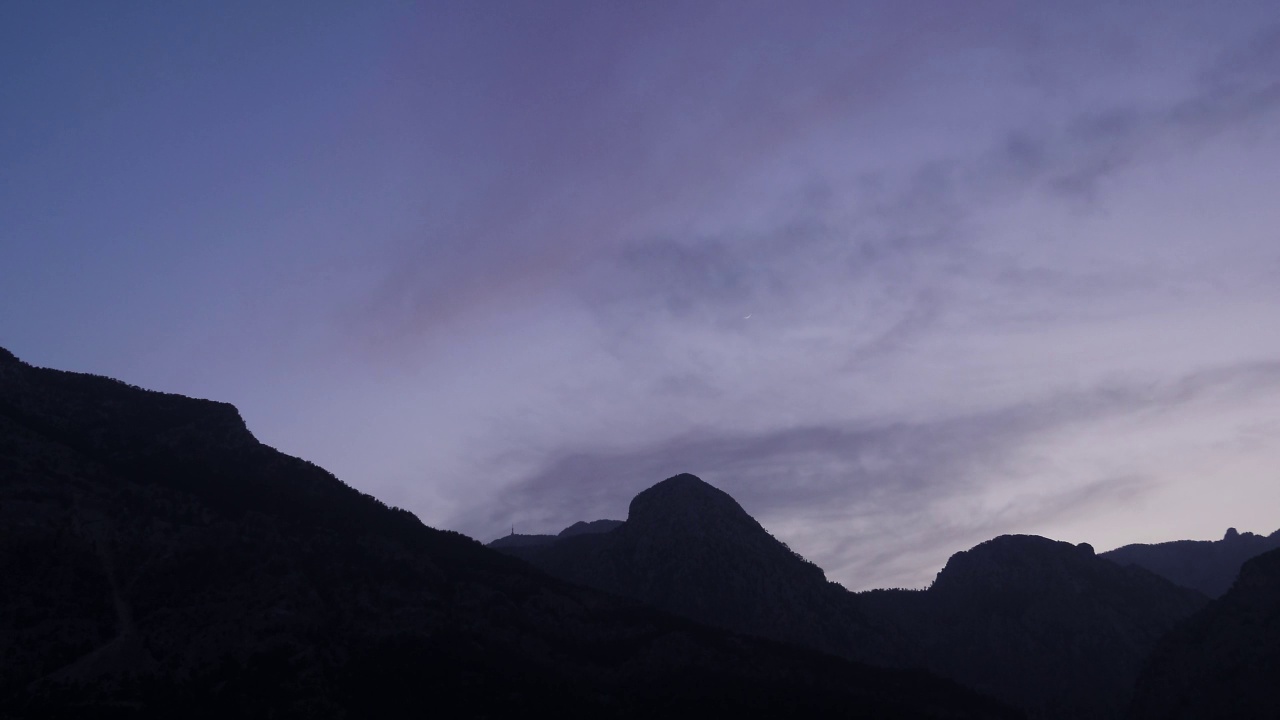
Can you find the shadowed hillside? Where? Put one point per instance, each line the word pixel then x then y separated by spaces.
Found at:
pixel 1044 625
pixel 689 548
pixel 1225 660
pixel 1205 565
pixel 160 562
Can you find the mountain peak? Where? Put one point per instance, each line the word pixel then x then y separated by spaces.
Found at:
pixel 1013 561
pixel 8 357
pixel 684 500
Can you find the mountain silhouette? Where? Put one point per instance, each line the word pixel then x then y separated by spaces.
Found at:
pixel 1224 661
pixel 590 528
pixel 1205 565
pixel 689 548
pixel 158 561
pixel 515 540
pixel 1044 625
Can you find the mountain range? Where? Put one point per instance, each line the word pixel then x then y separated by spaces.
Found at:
pixel 1048 627
pixel 1210 566
pixel 1225 660
pixel 160 561
pixel 1045 626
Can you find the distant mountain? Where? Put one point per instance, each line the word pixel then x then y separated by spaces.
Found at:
pixel 518 541
pixel 1044 625
pixel 579 528
pixel 158 561
pixel 594 527
pixel 690 548
pixel 1224 662
pixel 1205 565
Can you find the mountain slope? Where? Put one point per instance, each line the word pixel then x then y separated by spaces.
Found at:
pixel 159 562
pixel 1044 625
pixel 690 549
pixel 579 528
pixel 1205 565
pixel 1225 660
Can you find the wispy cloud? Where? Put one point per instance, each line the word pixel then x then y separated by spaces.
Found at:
pixel 869 499
pixel 908 270
pixel 880 359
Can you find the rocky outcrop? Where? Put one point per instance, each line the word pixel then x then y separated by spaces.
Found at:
pixel 1205 565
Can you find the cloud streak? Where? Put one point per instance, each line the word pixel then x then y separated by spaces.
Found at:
pixel 914 272
pixel 861 497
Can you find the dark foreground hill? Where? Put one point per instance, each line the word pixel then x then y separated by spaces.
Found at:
pixel 1224 662
pixel 158 561
pixel 1044 625
pixel 1206 565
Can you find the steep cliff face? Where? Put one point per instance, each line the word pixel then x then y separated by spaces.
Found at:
pixel 1210 566
pixel 157 561
pixel 1225 660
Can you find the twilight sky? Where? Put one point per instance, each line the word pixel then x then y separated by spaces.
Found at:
pixel 898 276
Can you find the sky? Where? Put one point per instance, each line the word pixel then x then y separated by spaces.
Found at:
pixel 898 276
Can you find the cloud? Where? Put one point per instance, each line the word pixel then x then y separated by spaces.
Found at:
pixel 867 500
pixel 899 242
pixel 1071 158
pixel 853 276
pixel 613 158
pixel 566 146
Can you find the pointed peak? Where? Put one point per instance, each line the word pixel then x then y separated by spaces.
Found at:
pixel 8 357
pixel 686 480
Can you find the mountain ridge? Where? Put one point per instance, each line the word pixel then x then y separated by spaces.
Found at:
pixel 684 539
pixel 1042 624
pixel 691 549
pixel 159 561
pixel 1224 660
pixel 1210 566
